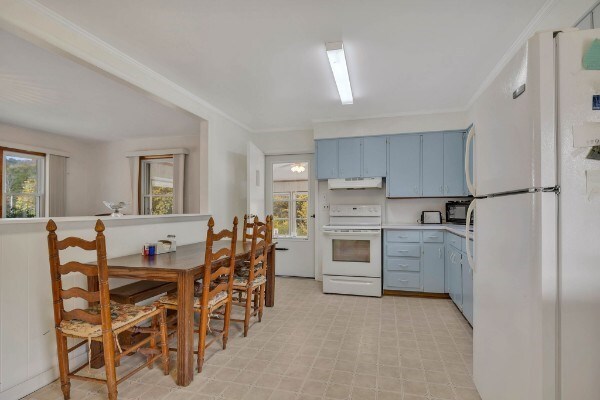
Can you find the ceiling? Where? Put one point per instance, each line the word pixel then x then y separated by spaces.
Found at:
pixel 263 62
pixel 43 90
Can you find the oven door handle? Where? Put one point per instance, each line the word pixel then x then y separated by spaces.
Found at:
pixel 352 233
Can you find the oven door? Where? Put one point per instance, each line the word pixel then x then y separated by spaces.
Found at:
pixel 352 253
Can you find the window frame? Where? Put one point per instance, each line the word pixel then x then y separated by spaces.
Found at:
pixel 40 194
pixel 143 187
pixel 292 199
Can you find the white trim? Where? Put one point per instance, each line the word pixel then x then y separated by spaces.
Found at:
pixel 35 149
pixel 162 152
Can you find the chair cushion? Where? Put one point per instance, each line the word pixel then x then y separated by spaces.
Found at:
pixel 241 282
pixel 171 300
pixel 120 314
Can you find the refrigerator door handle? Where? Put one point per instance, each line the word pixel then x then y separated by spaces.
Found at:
pixel 467 232
pixel 469 179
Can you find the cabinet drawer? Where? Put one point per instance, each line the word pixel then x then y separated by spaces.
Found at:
pixel 402 264
pixel 404 250
pixel 433 236
pixel 403 280
pixel 412 236
pixel 454 241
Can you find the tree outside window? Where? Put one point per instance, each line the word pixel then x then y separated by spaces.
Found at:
pixel 22 184
pixel 156 186
pixel 290 214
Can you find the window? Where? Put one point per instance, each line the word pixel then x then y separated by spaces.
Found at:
pixel 22 184
pixel 290 214
pixel 156 184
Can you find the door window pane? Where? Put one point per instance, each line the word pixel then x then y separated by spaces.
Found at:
pixel 290 200
pixel 351 250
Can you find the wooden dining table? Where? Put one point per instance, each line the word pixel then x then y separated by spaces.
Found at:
pixel 183 266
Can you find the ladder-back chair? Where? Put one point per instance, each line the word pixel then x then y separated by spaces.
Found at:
pixel 213 292
pixel 251 285
pixel 103 320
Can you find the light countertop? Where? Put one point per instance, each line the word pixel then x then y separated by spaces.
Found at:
pixel 454 228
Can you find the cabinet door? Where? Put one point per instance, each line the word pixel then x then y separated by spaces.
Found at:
pixel 404 166
pixel 433 267
pixel 327 158
pixel 454 170
pixel 467 290
pixel 374 157
pixel 433 164
pixel 447 264
pixel 466 188
pixel 349 157
pixel 456 278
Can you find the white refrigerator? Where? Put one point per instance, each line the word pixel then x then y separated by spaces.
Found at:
pixel 536 278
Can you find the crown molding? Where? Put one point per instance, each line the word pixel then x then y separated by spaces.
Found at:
pixel 395 115
pixel 44 26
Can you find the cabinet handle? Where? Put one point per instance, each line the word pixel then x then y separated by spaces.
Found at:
pixel 446 189
pixel 440 252
pixel 402 251
pixel 416 190
pixel 433 237
pixel 441 189
pixel 404 280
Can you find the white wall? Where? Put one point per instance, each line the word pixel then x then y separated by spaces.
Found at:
pixel 112 175
pixel 288 142
pixel 256 180
pixel 79 186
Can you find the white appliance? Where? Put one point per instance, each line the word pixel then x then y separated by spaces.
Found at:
pixel 536 270
pixel 355 183
pixel 352 250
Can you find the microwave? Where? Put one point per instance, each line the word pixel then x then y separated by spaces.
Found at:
pixel 456 212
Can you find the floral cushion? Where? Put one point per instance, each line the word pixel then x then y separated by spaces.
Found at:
pixel 171 300
pixel 120 314
pixel 242 281
pixel 244 271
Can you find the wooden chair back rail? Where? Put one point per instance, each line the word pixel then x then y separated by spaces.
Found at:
pixel 219 272
pixel 76 242
pixel 224 252
pixel 250 226
pixel 83 315
pixel 221 287
pixel 90 297
pixel 224 234
pixel 74 266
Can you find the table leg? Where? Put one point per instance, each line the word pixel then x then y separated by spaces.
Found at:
pixel 93 286
pixel 185 329
pixel 270 287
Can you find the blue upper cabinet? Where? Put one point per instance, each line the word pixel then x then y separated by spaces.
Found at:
pixel 349 157
pixel 433 164
pixel 374 159
pixel 327 158
pixel 404 166
pixel 454 167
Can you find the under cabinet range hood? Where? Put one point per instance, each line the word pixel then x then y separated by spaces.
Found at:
pixel 355 183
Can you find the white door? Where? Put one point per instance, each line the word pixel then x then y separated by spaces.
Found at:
pixel 255 167
pixel 514 133
pixel 289 198
pixel 514 296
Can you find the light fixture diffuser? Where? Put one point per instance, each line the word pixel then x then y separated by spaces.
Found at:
pixel 337 60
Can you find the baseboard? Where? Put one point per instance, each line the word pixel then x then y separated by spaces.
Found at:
pixel 29 386
pixel 406 293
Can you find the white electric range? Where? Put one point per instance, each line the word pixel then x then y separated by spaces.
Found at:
pixel 352 251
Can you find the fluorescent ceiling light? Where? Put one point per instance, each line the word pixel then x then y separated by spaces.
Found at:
pixel 337 60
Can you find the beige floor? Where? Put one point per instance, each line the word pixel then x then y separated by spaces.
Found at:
pixel 316 346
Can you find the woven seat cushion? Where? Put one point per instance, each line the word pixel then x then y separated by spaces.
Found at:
pixel 171 300
pixel 241 282
pixel 120 314
pixel 244 271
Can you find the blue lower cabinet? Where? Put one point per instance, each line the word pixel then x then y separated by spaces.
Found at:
pixel 467 290
pixel 455 276
pixel 402 281
pixel 433 267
